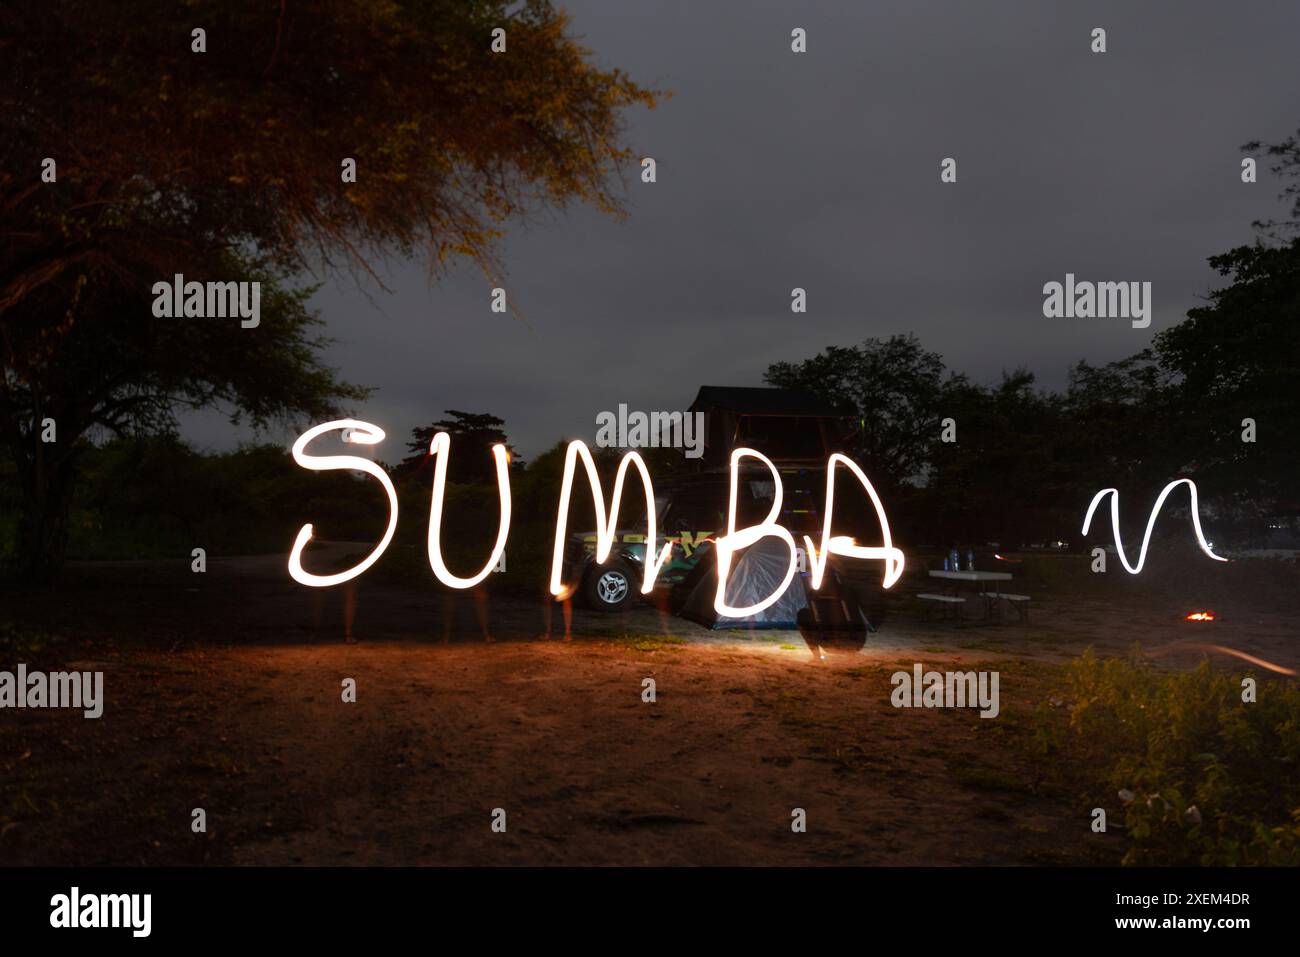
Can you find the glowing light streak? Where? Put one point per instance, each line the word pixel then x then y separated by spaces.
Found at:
pixel 360 433
pixel 605 521
pixel 1151 523
pixel 727 545
pixel 843 545
pixel 1224 650
pixel 440 448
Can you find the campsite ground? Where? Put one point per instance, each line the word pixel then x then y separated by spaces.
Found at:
pixel 223 692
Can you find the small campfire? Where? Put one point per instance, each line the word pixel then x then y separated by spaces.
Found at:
pixel 1200 616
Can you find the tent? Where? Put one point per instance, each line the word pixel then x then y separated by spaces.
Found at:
pixel 755 574
pixel 788 426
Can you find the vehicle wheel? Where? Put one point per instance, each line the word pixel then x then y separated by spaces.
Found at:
pixel 609 587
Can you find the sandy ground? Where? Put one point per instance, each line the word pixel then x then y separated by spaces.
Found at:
pixel 226 695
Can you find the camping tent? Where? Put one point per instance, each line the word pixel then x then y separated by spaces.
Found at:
pixel 755 574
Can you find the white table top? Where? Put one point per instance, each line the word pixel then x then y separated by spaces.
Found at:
pixel 973 576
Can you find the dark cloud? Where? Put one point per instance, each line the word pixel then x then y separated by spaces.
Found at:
pixel 822 170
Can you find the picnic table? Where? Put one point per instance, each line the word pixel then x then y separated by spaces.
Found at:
pixel 981 579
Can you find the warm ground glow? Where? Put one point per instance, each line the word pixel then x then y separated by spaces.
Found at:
pixel 1151 523
pixel 1200 616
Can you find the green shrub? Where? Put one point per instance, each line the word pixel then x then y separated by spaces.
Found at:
pixel 1205 777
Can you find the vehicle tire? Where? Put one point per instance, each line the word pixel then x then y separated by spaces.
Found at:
pixel 609 587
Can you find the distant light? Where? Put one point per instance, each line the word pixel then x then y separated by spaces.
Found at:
pixel 1200 616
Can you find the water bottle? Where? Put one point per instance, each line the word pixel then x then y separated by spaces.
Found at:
pixel 946 562
pixel 955 557
pixel 970 559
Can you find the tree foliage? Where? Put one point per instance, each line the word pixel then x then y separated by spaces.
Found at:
pixel 164 152
pixel 1027 461
pixel 894 389
pixel 1238 358
pixel 473 434
pixel 225 165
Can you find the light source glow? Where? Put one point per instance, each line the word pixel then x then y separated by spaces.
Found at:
pixel 735 539
pixel 440 448
pixel 606 524
pixel 843 545
pixel 727 545
pixel 1151 523
pixel 360 433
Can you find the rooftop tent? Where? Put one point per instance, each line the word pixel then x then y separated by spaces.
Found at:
pixel 788 426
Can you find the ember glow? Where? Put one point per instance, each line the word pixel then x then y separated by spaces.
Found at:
pixel 1200 616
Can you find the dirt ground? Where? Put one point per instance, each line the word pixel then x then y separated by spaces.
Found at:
pixel 223 692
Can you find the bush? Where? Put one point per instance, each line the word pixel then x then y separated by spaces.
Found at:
pixel 1205 777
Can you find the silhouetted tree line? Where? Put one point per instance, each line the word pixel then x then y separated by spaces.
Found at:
pixel 1026 461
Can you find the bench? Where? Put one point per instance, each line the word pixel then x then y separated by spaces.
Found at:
pixel 951 600
pixel 1019 602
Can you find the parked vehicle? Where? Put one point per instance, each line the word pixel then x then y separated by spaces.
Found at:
pixel 691 513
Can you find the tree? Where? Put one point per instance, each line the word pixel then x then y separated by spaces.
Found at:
pixel 472 437
pixel 1235 358
pixel 1286 166
pixel 227 165
pixel 1123 428
pixel 119 369
pixel 1001 480
pixel 893 388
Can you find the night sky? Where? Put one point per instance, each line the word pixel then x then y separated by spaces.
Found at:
pixel 821 170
